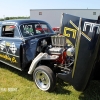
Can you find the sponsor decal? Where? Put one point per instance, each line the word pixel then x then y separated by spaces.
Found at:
pixel 11 47
pixel 92 26
pixel 6 48
pixel 6 57
pixel 66 29
pixel 74 31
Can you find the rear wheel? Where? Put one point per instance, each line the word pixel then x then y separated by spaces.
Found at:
pixel 44 78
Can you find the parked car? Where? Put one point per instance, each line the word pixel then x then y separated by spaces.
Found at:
pixel 33 44
pixel 56 28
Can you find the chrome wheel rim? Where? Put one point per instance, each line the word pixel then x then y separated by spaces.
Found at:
pixel 42 80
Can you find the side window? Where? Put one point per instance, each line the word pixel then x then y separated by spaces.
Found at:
pixel 31 29
pixel 38 29
pixel 41 29
pixel 27 30
pixel 9 31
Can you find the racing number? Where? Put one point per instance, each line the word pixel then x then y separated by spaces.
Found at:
pixel 66 29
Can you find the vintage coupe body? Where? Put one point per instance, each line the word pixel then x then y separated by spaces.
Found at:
pixel 33 44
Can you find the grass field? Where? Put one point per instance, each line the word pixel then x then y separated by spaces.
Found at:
pixel 16 85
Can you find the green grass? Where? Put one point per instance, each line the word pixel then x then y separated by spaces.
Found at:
pixel 25 88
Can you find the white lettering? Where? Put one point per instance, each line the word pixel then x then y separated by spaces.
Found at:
pixel 92 26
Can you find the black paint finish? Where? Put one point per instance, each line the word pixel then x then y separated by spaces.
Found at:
pixel 25 46
pixel 87 52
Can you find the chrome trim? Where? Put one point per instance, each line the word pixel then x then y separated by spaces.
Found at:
pixel 39 57
pixel 58 40
pixel 42 80
pixel 35 61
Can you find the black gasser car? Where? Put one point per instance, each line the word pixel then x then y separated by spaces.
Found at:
pixel 33 44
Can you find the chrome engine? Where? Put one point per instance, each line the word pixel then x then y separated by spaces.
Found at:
pixel 58 41
pixel 58 44
pixel 60 48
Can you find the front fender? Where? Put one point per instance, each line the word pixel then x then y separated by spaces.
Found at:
pixel 39 57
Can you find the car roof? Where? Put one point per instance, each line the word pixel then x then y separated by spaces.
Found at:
pixel 21 21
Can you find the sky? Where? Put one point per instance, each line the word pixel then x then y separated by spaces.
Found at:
pixel 12 8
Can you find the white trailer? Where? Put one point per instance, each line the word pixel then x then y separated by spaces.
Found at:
pixel 53 16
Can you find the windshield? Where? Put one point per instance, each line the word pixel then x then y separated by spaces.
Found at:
pixel 31 29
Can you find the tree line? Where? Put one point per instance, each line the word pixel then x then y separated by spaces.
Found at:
pixel 10 18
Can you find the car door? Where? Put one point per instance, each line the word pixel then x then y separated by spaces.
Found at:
pixel 10 46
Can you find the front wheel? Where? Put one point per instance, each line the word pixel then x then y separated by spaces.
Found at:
pixel 44 78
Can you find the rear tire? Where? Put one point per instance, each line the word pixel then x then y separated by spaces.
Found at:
pixel 44 78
